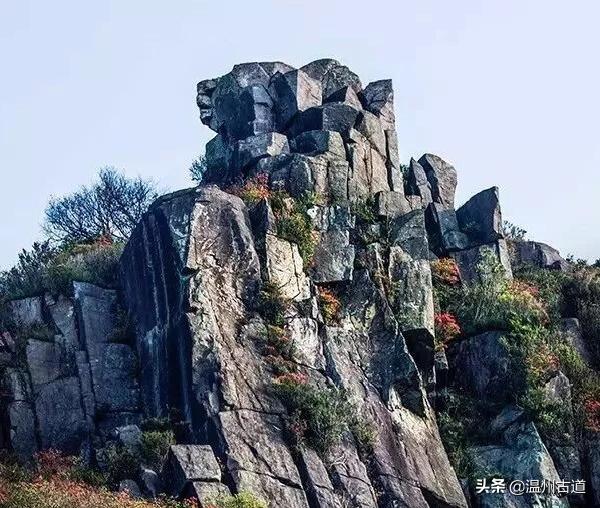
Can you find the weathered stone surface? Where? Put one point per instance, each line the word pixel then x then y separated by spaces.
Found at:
pixel 334 257
pixel 571 331
pixel 520 456
pixel 60 415
pixel 360 348
pixel 319 488
pixel 28 311
pixel 219 154
pixel 412 302
pixel 284 268
pixel 369 171
pixel 563 448
pixel 131 488
pixel 378 98
pixel 480 217
pixel 370 127
pixel 482 366
pixel 316 142
pixel 304 335
pixel 346 94
pixel 130 436
pixel 294 91
pixel 150 482
pixel 444 233
pixel 391 204
pixel 46 361
pixel 332 116
pixel 395 171
pixel 113 367
pixel 206 232
pixel 189 463
pixel 467 260
pixel 62 313
pixel 417 183
pixel 408 231
pixel 23 437
pixel 208 492
pixel 536 254
pixel 253 148
pixel 331 217
pixel 441 177
pixel 332 75
pixel 258 460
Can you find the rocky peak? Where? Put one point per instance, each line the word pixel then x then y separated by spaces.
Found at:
pixel 283 310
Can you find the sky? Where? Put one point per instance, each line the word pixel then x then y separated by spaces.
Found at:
pixel 506 90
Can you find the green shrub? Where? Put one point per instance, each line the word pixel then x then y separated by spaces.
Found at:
pixel 97 263
pixel 155 445
pixel 272 304
pixel 83 474
pixel 365 210
pixel 121 464
pixel 453 434
pixel 45 269
pixel 320 416
pixel 293 222
pixel 492 301
pixel 241 500
pixel 462 424
pixel 364 434
pixel 27 278
pixel 330 305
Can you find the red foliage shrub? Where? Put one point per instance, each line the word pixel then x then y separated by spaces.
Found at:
pixel 445 271
pixel 291 379
pixel 591 409
pixel 330 305
pixel 446 327
pixel 253 190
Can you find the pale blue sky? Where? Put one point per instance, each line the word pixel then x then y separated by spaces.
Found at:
pixel 506 90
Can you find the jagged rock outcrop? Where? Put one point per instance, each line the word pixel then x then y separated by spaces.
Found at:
pixel 360 232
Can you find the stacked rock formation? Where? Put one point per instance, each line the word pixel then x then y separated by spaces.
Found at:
pixel 191 278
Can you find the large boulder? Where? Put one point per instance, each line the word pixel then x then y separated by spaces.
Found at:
pixel 520 455
pixel 417 183
pixel 60 416
pixel 332 75
pixel 537 254
pixel 284 268
pixel 480 217
pixel 253 148
pixel 482 366
pixel 332 116
pixel 294 91
pixel 378 98
pixel 190 463
pixel 572 333
pixel 468 260
pixel 317 142
pixel 444 233
pixel 441 177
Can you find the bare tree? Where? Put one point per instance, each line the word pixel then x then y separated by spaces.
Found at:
pixel 111 207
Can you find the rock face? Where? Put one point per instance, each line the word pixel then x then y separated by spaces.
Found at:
pixel 76 384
